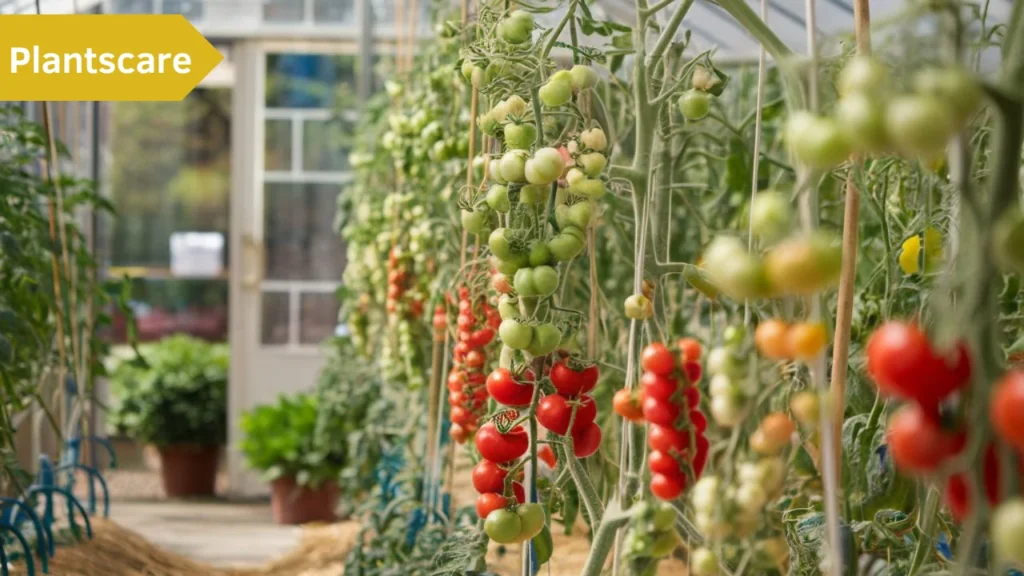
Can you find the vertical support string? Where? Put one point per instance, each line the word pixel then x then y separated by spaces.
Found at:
pixel 757 149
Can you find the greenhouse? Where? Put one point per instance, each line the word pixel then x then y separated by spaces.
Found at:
pixel 514 287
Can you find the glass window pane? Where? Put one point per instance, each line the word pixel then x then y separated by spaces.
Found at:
pixel 299 235
pixel 283 10
pixel 277 151
pixel 132 7
pixel 325 146
pixel 191 9
pixel 308 80
pixel 383 11
pixel 275 318
pixel 335 11
pixel 318 317
pixel 168 306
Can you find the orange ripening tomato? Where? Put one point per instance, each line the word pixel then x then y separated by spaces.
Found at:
pixel 771 340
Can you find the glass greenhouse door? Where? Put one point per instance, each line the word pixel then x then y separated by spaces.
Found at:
pixel 292 166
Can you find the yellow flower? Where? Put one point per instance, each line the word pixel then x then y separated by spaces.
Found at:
pixel 910 253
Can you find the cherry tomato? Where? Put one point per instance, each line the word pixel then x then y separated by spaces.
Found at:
pixel 920 125
pixel 458 433
pixel 693 372
pixel 586 440
pixel 806 340
pixel 701 457
pixel 1006 408
pixel 669 440
pixel 586 413
pixel 667 487
pixel 957 494
pixel 547 455
pixel 778 429
pixel 695 104
pixel 658 359
pixel 663 463
pixel 660 412
pixel 916 442
pixel 475 359
pixel 625 403
pixel 501 448
pixel 771 341
pixel 488 477
pixel 902 363
pixel 456 380
pixel 461 416
pixel 569 382
pixel 505 390
pixel 689 350
pixel 660 387
pixel 692 395
pixel 699 420
pixel 553 413
pixel 481 337
pixel 519 492
pixel 1007 528
pixel 489 502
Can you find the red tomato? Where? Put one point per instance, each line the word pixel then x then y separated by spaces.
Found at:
pixel 692 395
pixel 699 420
pixel 701 458
pixel 693 372
pixel 481 337
pixel 475 359
pixel 466 321
pixel 458 433
pixel 625 403
pixel 553 413
pixel 501 284
pixel 547 455
pixel 1006 408
pixel 916 442
pixel 663 463
pixel 660 387
pixel 666 439
pixel 489 502
pixel 456 398
pixel 501 448
pixel 660 412
pixel 440 320
pixel 587 440
pixel 489 477
pixel 667 487
pixel 903 363
pixel 461 349
pixel 476 378
pixel 519 492
pixel 456 380
pixel 586 413
pixel 461 416
pixel 657 358
pixel 957 494
pixel 569 382
pixel 689 350
pixel 505 390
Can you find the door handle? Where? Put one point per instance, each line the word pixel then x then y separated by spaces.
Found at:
pixel 253 262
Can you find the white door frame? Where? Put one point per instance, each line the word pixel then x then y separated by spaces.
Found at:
pixel 248 354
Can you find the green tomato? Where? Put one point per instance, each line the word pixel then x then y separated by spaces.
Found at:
pixel 955 87
pixel 540 254
pixel 703 562
pixel 512 264
pixel 579 215
pixel 1008 240
pixel 555 93
pixel 532 517
pixel 533 194
pixel 594 139
pixel 574 176
pixel 497 198
pixel 815 141
pixel 517 28
pixel 487 123
pixel 508 307
pixel 545 167
pixel 576 232
pixel 638 307
pixel 474 221
pixel 515 335
pixel 543 545
pixel 467 70
pixel 520 136
pixel 771 215
pixel 565 246
pixel 695 104
pixel 561 215
pixel 862 119
pixel 920 125
pixel 583 77
pixel 804 265
pixel 503 526
pixel 523 283
pixel 513 165
pixel 545 280
pixel 664 517
pixel 499 244
pixel 1007 530
pixel 516 105
pixel 545 340
pixel 593 163
pixel 863 75
pixel 742 276
pixel 664 544
pixel 590 187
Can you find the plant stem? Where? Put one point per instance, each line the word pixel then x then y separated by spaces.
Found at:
pixel 924 542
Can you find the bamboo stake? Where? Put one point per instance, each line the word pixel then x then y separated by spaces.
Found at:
pixel 848 276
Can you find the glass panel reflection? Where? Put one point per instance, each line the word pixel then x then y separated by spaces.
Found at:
pixel 277 150
pixel 318 317
pixel 308 80
pixel 299 235
pixel 325 146
pixel 275 318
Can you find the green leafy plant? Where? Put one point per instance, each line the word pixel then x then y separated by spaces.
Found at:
pixel 281 441
pixel 173 392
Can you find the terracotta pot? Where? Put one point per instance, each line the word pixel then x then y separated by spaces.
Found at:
pixel 189 470
pixel 294 504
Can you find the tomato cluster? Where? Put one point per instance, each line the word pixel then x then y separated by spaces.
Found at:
pixel 670 402
pixel 728 370
pixel 399 282
pixel 467 389
pixel 902 363
pixel 499 452
pixel 652 532
pixel 778 340
pixel 571 406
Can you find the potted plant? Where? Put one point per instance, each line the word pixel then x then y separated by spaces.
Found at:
pixel 173 395
pixel 283 441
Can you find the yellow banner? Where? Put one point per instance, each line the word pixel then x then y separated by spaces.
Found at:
pixel 101 57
